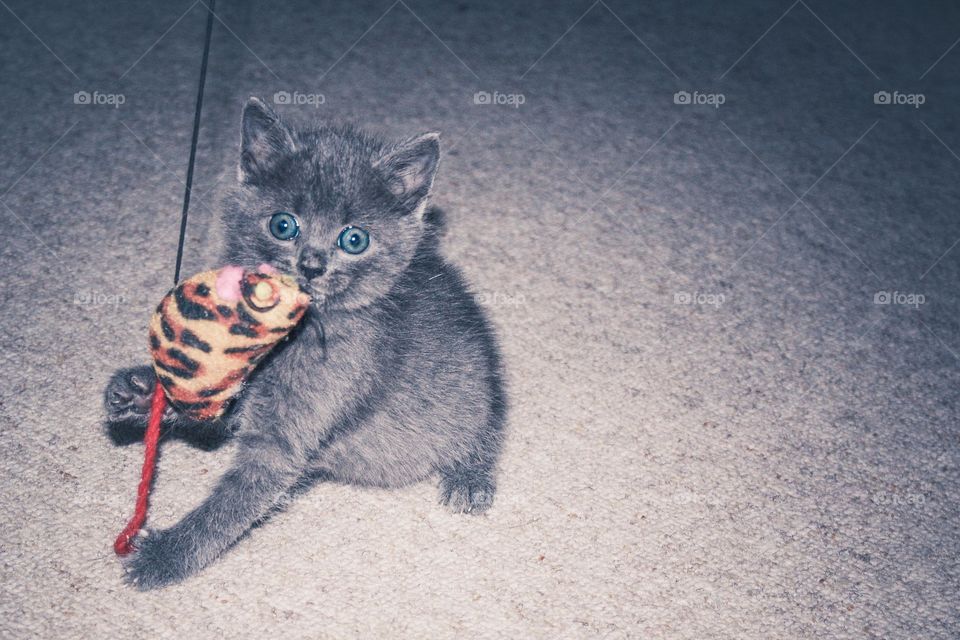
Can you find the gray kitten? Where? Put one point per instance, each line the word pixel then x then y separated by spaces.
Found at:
pixel 394 374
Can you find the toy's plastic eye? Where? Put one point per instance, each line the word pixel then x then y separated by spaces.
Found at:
pixel 284 226
pixel 354 240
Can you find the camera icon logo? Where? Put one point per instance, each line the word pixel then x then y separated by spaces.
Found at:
pixel 482 97
pixel 681 97
pixel 881 297
pixel 881 97
pixel 81 97
pixel 281 97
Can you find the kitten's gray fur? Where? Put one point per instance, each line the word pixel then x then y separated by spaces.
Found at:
pixel 394 374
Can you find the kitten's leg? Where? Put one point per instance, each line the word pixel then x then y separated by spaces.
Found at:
pixel 266 467
pixel 127 400
pixel 468 487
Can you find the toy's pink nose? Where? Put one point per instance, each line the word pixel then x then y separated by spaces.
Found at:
pixel 228 283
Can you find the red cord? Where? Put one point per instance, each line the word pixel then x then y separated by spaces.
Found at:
pixel 124 542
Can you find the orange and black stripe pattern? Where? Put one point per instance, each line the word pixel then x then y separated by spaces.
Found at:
pixel 204 346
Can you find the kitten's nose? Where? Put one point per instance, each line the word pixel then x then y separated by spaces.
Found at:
pixel 312 264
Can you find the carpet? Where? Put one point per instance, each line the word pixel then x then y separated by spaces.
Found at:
pixel 718 242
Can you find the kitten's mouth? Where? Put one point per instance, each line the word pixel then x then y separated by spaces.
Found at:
pixel 320 294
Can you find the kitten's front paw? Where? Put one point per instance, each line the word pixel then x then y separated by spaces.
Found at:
pixel 129 393
pixel 466 494
pixel 127 401
pixel 156 562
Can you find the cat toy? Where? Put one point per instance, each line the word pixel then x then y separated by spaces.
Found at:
pixel 208 333
pixel 206 336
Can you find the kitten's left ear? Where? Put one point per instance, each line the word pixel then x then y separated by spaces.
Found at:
pixel 408 170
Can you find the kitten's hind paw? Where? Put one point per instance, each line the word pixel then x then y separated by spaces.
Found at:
pixel 465 493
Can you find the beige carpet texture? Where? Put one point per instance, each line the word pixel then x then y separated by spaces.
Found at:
pixel 719 243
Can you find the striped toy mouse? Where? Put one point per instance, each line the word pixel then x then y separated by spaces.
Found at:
pixel 206 336
pixel 210 331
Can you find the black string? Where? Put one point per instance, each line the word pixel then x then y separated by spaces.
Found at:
pixel 193 142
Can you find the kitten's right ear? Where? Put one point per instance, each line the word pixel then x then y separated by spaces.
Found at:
pixel 264 139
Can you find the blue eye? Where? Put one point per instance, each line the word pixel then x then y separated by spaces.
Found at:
pixel 284 226
pixel 353 240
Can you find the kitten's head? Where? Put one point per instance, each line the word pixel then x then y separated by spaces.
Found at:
pixel 339 210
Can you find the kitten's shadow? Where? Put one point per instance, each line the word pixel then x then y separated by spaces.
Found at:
pixel 203 436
